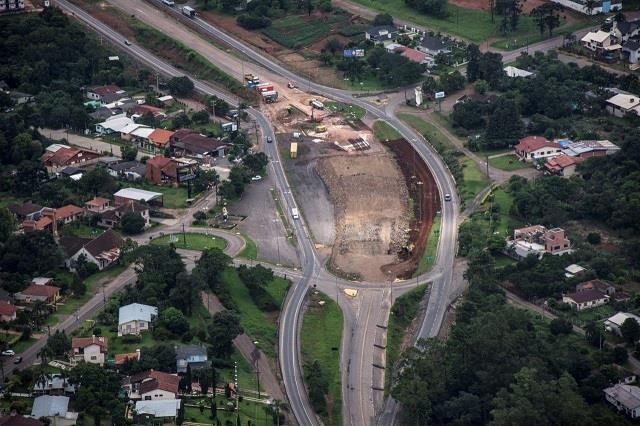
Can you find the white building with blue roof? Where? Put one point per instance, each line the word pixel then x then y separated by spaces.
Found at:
pixel 135 318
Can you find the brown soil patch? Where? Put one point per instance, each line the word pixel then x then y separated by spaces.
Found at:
pixel 371 206
pixel 527 6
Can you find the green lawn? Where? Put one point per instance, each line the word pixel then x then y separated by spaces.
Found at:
pixel 508 163
pixel 250 250
pixel 383 131
pixel 471 24
pixel 78 229
pixel 258 325
pixel 297 31
pixel 174 198
pixel 22 345
pixel 249 412
pixel 474 179
pixel 428 130
pixel 429 256
pixel 192 241
pixel 352 112
pixel 321 337
pixel 403 312
pixel 506 222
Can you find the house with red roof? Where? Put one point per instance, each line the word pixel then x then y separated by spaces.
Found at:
pixel 98 205
pixel 536 147
pixel 64 157
pixel 159 139
pixel 189 143
pixel 15 419
pixel 101 93
pixel 38 293
pixel 120 359
pixel 103 250
pixel 69 213
pixel 7 311
pixel 152 385
pixel 562 165
pixel 414 55
pixel 92 349
pixel 586 299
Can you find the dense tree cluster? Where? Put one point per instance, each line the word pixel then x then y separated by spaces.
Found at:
pixel 437 8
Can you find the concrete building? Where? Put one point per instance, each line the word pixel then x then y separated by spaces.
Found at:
pixel 55 409
pixel 585 299
pixel 194 356
pixel 92 350
pixel 562 165
pixel 625 398
pixel 622 104
pixel 152 386
pixel 134 194
pixel 533 148
pixel 600 6
pixel 537 240
pixel 135 318
pixel 8 6
pixel 163 412
pixel 614 323
pixel 103 250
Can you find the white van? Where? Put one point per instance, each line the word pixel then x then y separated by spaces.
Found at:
pixel 169 3
pixel 294 213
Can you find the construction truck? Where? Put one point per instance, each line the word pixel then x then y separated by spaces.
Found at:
pixel 252 80
pixel 270 97
pixel 189 11
pixel 264 87
pixel 321 128
pixel 294 213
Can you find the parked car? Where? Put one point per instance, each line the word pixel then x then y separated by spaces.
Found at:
pixel 256 178
pixel 8 352
pixel 269 140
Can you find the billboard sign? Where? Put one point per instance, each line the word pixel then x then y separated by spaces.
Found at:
pixel 439 95
pixel 353 53
pixel 358 53
pixel 184 178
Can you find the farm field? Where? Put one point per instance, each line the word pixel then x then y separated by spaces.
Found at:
pixel 297 31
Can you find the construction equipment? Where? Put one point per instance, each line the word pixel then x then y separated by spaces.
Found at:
pixel 321 128
pixel 294 150
pixel 264 87
pixel 316 104
pixel 270 96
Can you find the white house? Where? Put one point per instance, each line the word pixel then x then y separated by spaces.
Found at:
pixel 92 350
pixel 622 104
pixel 597 41
pixel 55 409
pixel 152 386
pixel 585 299
pixel 533 148
pixel 600 6
pixel 614 323
pixel 113 125
pixel 103 250
pixel 135 318
pixel 513 72
pixel 631 50
pixel 625 398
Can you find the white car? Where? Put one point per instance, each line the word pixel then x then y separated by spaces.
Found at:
pixel 8 352
pixel 256 178
pixel 447 197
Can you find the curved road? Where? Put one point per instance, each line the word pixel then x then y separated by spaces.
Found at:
pixel 363 412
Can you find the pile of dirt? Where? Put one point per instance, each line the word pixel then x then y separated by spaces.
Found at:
pixel 371 205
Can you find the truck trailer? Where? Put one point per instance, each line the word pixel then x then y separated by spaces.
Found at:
pixel 316 104
pixel 189 11
pixel 264 87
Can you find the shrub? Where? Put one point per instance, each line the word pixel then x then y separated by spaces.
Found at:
pixel 251 22
pixel 131 338
pixel 594 238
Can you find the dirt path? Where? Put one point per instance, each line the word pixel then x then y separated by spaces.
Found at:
pixel 250 352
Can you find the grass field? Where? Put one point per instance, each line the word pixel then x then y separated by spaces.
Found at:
pixel 352 112
pixel 428 130
pixel 471 24
pixel 77 229
pixel 508 163
pixel 429 256
pixel 258 325
pixel 383 131
pixel 250 413
pixel 403 312
pixel 321 336
pixel 250 250
pixel 474 180
pixel 193 241
pixel 296 31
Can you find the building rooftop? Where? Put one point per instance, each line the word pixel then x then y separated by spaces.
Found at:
pixel 624 101
pixel 516 72
pixel 83 342
pixel 138 194
pixel 586 296
pixel 533 143
pixel 619 318
pixel 627 395
pixel 136 312
pixel 50 406
pixel 159 408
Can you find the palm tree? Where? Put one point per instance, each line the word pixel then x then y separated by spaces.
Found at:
pixel 589 5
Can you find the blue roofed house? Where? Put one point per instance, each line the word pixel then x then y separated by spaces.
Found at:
pixel 191 355
pixel 55 409
pixel 135 318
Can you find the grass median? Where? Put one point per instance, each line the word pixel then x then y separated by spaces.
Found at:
pixel 192 241
pixel 429 256
pixel 321 337
pixel 383 131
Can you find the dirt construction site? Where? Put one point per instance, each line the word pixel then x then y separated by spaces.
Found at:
pixel 354 194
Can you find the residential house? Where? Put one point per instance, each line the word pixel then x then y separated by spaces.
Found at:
pixel 513 72
pixel 55 409
pixel 26 211
pixel 92 350
pixel 7 311
pixel 98 205
pixel 140 136
pixel 140 110
pixel 625 398
pixel 112 218
pixel 562 165
pixel 599 6
pixel 127 194
pixel 71 172
pixel 189 143
pixel 120 359
pixel 432 45
pixel 532 148
pixel 152 385
pixel 573 270
pixel 599 42
pixel 113 125
pixel 103 250
pixel 128 170
pixel 46 222
pixel 597 284
pixel 14 419
pixel 623 31
pixel 382 34
pixel 163 412
pixel 162 170
pixel 8 6
pixel 194 356
pixel 126 133
pixel 159 140
pixel 5 296
pixel 587 299
pixel 20 98
pixel 166 100
pixel 63 157
pixel 135 318
pixel 69 213
pixel 631 51
pixel 537 240
pixel 414 55
pixel 622 104
pixel 38 293
pixel 590 148
pixel 98 93
pixel 55 384
pixel 103 113
pixel 42 281
pixel 614 323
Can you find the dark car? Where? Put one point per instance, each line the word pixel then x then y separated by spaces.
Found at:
pixel 17 360
pixel 269 140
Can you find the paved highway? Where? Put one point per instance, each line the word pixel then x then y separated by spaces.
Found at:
pixel 354 362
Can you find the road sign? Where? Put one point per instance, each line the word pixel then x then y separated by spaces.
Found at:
pixel 348 53
pixel 439 95
pixel 184 178
pixel 358 53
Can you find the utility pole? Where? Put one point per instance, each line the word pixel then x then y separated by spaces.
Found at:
pixel 487 158
pixel 184 236
pixel 157 82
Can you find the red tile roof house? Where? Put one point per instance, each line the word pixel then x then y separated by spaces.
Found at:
pixel 162 170
pixel 38 293
pixel 562 165
pixel 46 222
pixel 92 350
pixel 97 93
pixel 98 205
pixel 600 285
pixel 534 147
pixel 152 385
pixel 25 211
pixel 120 359
pixel 69 213
pixel 7 311
pixel 14 419
pixel 103 250
pixel 159 140
pixel 111 218
pixel 585 299
pixel 64 157
pixel 189 143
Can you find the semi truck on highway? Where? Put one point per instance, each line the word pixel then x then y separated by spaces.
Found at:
pixel 189 11
pixel 270 96
pixel 294 213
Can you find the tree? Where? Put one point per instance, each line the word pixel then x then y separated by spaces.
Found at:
pixel 473 67
pixel 7 224
pixel 630 330
pixel 129 153
pixel 256 162
pixel 594 238
pixel 491 68
pixel 589 5
pixel 209 268
pixel 429 87
pixel 186 293
pixel 382 19
pixel 200 117
pixel 98 390
pixel 174 321
pixel 223 328
pixel 547 16
pixel 132 223
pixel 505 126
pixel 83 267
pixel 318 386
pixel 481 87
pixel 593 334
pixel 214 408
pixel 180 86
pixel 560 326
pixel 204 379
pixel 59 344
pixel 32 253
